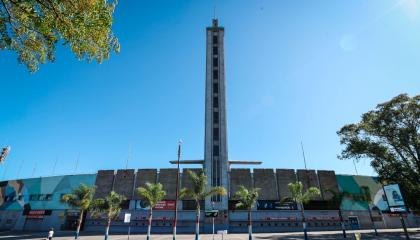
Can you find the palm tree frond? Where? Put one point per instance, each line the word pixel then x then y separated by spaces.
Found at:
pixel 81 197
pixel 299 195
pixel 246 197
pixel 151 193
pixel 216 191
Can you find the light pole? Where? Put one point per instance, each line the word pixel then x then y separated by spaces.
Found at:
pixel 177 190
pixel 4 152
pixel 212 208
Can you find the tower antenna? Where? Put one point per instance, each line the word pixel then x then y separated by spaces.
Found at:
pixel 214 12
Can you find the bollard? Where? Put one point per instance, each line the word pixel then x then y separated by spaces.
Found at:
pixel 358 236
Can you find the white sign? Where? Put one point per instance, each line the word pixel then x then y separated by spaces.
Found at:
pixel 127 217
pixel 222 232
pixel 397 209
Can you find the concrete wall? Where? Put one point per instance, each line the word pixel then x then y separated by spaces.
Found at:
pixel 265 179
pixel 308 179
pixel 239 176
pixel 273 185
pixel 142 177
pixel 9 219
pixel 284 177
pixel 327 181
pixel 104 183
pixel 167 177
pixel 124 182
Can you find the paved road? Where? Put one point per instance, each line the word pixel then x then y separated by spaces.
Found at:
pixel 386 234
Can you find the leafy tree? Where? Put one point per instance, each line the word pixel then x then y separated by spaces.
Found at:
pixel 199 192
pixel 246 200
pixel 390 136
pixel 152 194
pixel 33 28
pixel 300 197
pixel 109 206
pixel 336 201
pixel 365 196
pixel 82 198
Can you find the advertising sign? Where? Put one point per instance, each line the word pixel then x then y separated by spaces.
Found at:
pixel 165 205
pixel 161 205
pixel 127 217
pixel 275 205
pixel 232 205
pixel 37 214
pixel 394 197
pixel 139 204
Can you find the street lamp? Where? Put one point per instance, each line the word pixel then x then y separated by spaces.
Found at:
pixel 177 190
pixel 212 208
pixel 4 152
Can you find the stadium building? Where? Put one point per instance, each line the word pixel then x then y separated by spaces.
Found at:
pixel 34 203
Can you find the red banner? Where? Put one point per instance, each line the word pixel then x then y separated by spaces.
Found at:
pixel 165 205
pixel 36 214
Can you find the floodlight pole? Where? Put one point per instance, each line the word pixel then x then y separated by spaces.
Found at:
pixel 212 207
pixel 4 152
pixel 177 191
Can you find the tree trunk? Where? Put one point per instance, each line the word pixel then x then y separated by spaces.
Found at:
pixel 79 223
pixel 371 219
pixel 249 225
pixel 305 232
pixel 149 227
pixel 343 227
pixel 197 222
pixel 108 224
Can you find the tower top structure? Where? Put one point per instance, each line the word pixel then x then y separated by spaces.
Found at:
pixel 215 22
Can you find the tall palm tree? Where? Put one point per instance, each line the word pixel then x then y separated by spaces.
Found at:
pixel 152 194
pixel 110 206
pixel 336 201
pixel 246 200
pixel 81 198
pixel 366 197
pixel 199 192
pixel 300 197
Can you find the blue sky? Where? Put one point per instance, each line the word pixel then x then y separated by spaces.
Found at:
pixel 296 71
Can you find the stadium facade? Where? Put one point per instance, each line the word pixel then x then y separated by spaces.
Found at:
pixel 34 204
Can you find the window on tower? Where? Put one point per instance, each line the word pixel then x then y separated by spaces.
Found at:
pixel 215 74
pixel 215 88
pixel 215 115
pixel 215 39
pixel 215 150
pixel 216 120
pixel 215 62
pixel 215 133
pixel 215 102
pixel 215 50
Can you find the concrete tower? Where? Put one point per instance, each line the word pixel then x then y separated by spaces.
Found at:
pixel 216 145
